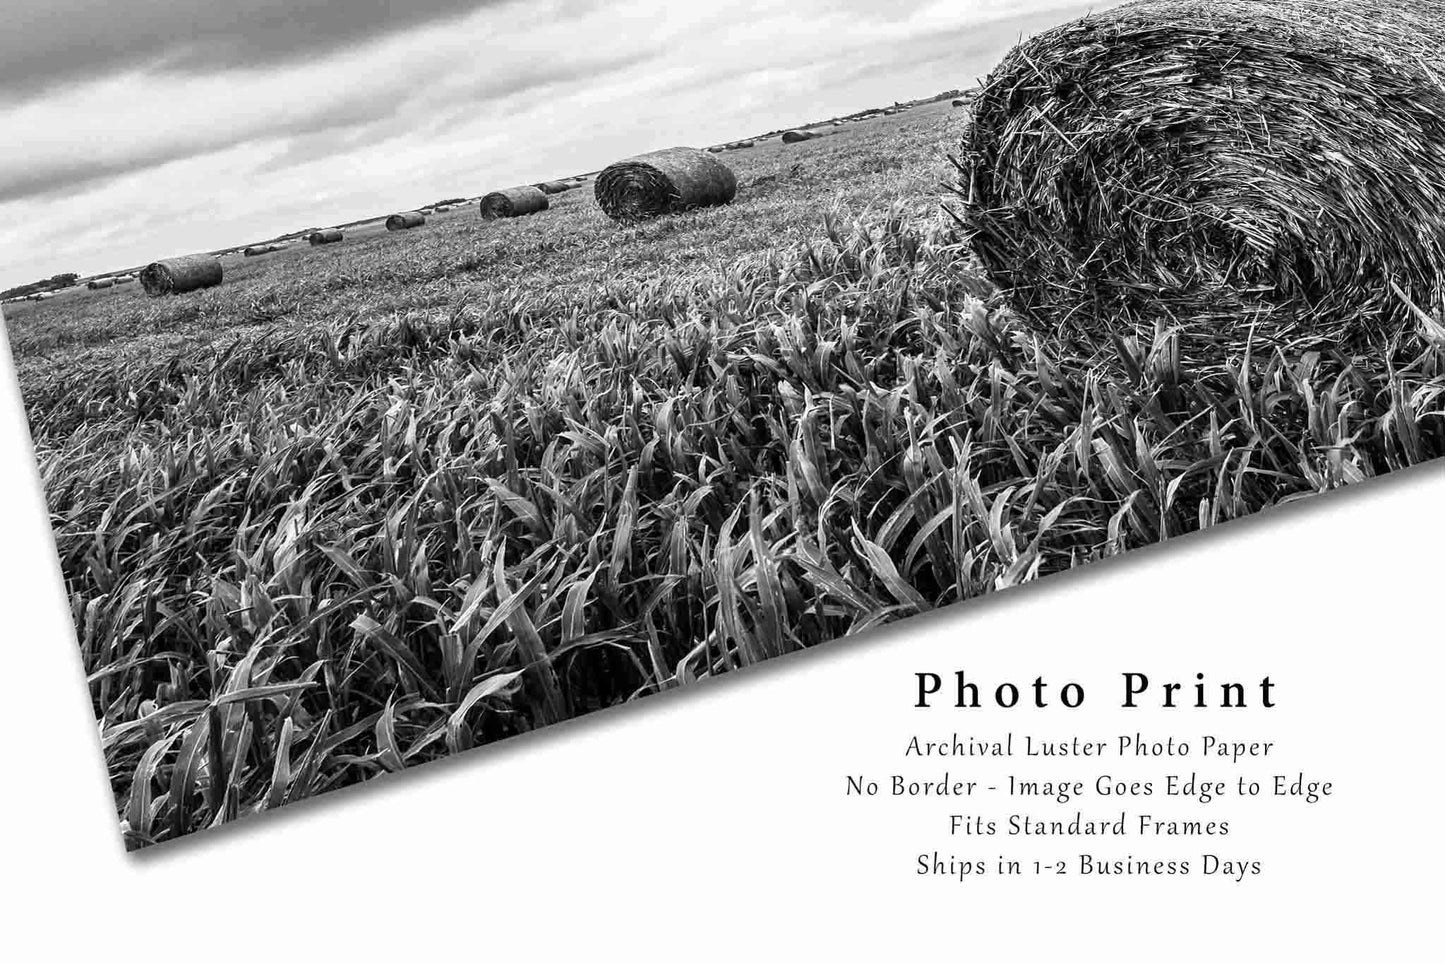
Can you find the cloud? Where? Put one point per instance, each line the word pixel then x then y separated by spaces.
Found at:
pixel 339 107
pixel 51 42
pixel 440 104
pixel 139 164
pixel 44 174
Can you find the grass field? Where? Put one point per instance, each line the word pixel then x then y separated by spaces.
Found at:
pixel 371 504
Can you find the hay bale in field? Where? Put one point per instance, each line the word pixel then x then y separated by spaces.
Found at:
pixel 960 103
pixel 514 202
pixel 797 137
pixel 664 182
pixel 1217 166
pixel 328 236
pixel 175 276
pixel 405 221
pixel 742 145
pixel 257 250
pixel 555 187
pixel 97 284
pixel 125 279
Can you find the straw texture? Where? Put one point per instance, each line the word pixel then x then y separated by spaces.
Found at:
pixel 664 182
pixel 1219 168
pixel 179 275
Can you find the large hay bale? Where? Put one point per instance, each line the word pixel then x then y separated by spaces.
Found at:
pixel 125 279
pixel 256 250
pixel 555 187
pixel 797 137
pixel 405 221
pixel 1223 167
pixel 99 283
pixel 175 276
pixel 328 236
pixel 514 202
pixel 664 182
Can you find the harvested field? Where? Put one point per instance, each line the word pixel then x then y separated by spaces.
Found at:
pixel 370 506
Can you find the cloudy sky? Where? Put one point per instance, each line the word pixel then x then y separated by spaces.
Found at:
pixel 149 128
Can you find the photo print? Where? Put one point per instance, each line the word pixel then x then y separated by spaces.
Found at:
pixel 404 382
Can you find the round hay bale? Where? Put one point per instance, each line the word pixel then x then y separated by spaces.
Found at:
pixel 328 236
pixel 99 283
pixel 960 103
pixel 125 279
pixel 256 250
pixel 514 202
pixel 664 182
pixel 175 276
pixel 555 187
pixel 716 150
pixel 797 137
pixel 1219 167
pixel 743 145
pixel 405 221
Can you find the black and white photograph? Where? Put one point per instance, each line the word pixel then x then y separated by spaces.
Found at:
pixel 405 379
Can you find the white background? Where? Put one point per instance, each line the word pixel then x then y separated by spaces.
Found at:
pixel 714 825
